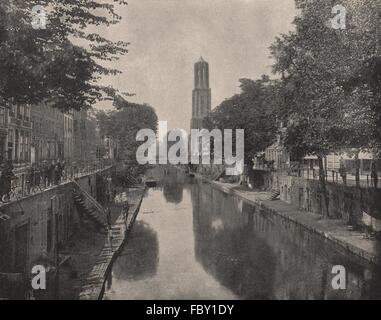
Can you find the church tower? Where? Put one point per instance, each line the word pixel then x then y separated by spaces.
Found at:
pixel 201 103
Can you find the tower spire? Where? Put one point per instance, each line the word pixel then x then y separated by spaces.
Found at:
pixel 201 105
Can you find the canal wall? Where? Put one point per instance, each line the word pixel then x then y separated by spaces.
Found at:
pixel 356 206
pixel 259 254
pixel 94 284
pixel 335 231
pixel 27 227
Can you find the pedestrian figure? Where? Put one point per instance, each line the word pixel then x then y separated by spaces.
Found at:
pixel 374 174
pixel 44 173
pixel 109 227
pixel 37 176
pixel 126 208
pixel 32 175
pixel 62 169
pixel 6 178
pixel 108 217
pixel 343 172
pixel 28 180
pixel 50 173
pixel 56 173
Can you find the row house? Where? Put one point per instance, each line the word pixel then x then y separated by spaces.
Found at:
pixel 68 136
pixel 3 131
pixel 34 134
pixel 19 135
pixel 48 133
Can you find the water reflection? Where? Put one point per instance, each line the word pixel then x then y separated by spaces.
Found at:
pixel 140 259
pixel 261 256
pixel 194 242
pixel 227 248
pixel 173 189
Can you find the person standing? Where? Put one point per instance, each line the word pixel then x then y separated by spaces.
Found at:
pixel 108 217
pixel 343 172
pixel 6 176
pixel 374 174
pixel 51 173
pixel 126 208
pixel 37 176
pixel 62 170
pixel 56 174
pixel 28 180
pixel 43 173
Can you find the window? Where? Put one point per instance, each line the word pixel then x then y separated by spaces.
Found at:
pixel 21 146
pixel 27 113
pixel 20 111
pixel 12 110
pixel 26 144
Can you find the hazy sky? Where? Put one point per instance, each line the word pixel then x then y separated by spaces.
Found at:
pixel 168 36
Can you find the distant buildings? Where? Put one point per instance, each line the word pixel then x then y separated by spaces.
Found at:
pixel 276 157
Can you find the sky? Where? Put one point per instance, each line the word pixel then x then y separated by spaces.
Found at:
pixel 168 36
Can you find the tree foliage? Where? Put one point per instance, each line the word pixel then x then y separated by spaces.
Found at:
pixel 330 88
pixel 124 123
pixel 63 62
pixel 330 80
pixel 253 110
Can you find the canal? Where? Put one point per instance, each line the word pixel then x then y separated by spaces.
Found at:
pixel 191 241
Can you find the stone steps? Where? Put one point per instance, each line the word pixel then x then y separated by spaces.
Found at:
pixel 89 213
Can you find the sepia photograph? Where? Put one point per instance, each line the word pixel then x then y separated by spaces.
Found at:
pixel 190 154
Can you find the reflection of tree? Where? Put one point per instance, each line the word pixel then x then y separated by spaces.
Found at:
pixel 139 258
pixel 227 249
pixel 173 192
pixel 259 255
pixel 173 184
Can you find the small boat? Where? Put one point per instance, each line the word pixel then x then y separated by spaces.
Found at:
pixel 151 183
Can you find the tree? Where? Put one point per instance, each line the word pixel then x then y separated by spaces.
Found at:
pixel 61 63
pixel 252 110
pixel 124 123
pixel 324 108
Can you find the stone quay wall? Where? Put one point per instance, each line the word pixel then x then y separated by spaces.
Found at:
pixel 28 226
pixel 357 206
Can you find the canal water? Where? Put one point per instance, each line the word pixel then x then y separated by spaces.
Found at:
pixel 191 241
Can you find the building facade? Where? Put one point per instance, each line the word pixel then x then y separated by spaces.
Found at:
pixel 4 114
pixel 201 100
pixel 48 133
pixel 19 136
pixel 68 136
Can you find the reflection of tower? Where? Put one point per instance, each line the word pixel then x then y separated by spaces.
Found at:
pixel 201 104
